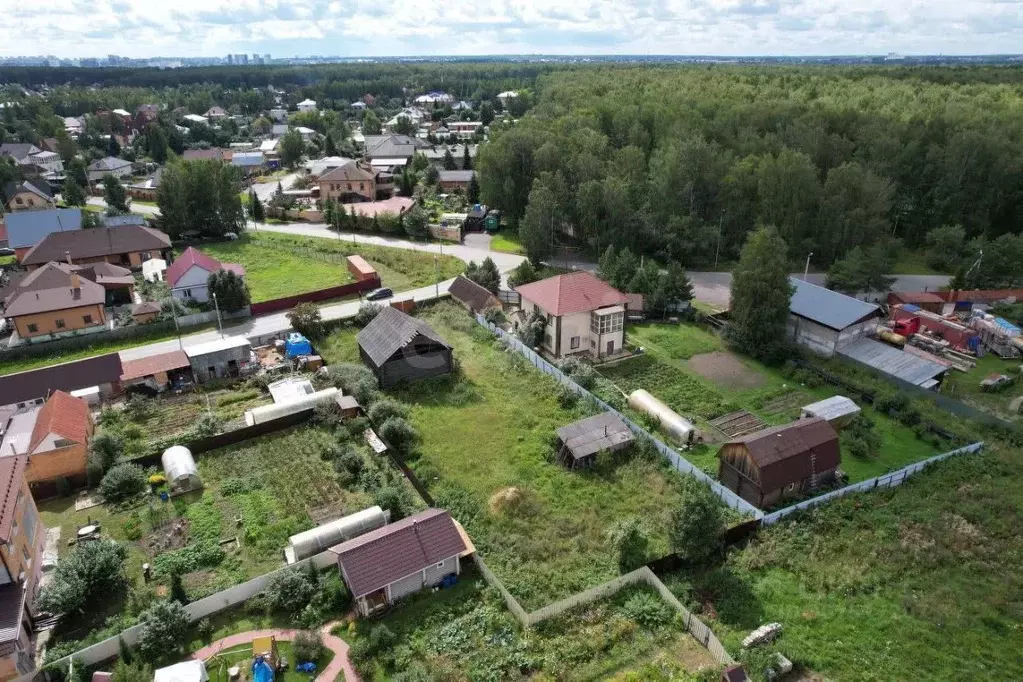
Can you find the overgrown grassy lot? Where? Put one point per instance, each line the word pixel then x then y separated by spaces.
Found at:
pixel 664 370
pixel 280 265
pixel 465 632
pixel 487 455
pixel 966 387
pixel 507 242
pixel 920 582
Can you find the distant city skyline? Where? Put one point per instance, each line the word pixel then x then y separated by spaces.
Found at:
pixel 91 29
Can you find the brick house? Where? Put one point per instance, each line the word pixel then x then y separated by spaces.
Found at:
pixel 22 537
pixel 28 196
pixel 386 564
pixel 126 245
pixel 349 183
pixel 55 300
pixel 584 314
pixel 59 443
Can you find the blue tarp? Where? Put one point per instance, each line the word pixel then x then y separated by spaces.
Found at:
pixel 1009 327
pixel 911 308
pixel 297 345
pixel 261 671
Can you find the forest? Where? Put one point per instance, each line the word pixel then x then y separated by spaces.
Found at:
pixel 682 163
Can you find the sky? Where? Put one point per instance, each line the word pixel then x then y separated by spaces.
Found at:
pixel 372 28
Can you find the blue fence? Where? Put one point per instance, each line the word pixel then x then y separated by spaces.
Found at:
pixel 677 461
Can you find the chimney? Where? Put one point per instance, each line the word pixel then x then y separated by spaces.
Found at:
pixel 76 281
pixel 67 257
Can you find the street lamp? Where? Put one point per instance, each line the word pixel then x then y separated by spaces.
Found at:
pixel 806 270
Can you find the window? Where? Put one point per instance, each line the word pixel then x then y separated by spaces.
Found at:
pixel 349 185
pixel 59 324
pixel 574 343
pixel 440 564
pixel 187 293
pixel 19 200
pixel 606 324
pixel 547 341
pixel 32 328
pixel 87 319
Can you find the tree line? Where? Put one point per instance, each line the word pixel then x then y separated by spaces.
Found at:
pixel 682 163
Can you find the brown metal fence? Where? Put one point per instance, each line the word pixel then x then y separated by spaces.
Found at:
pixel 289 302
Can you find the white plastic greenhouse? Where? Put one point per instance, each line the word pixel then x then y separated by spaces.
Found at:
pixel 315 540
pixel 265 413
pixel 669 421
pixel 180 469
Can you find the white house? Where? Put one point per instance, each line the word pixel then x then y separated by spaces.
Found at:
pixel 307 105
pixel 195 118
pixel 583 314
pixel 434 100
pixel 506 96
pixel 74 125
pixel 465 130
pixel 49 162
pixel 187 275
pixel 306 133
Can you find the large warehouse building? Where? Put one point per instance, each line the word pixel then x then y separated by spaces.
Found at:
pixel 822 320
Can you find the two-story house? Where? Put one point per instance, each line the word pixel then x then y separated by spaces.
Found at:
pixel 22 538
pixel 28 195
pixel 188 274
pixel 349 183
pixel 584 314
pixel 126 245
pixel 54 300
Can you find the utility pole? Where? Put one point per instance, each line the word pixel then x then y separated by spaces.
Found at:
pixel 806 270
pixel 717 249
pixel 220 325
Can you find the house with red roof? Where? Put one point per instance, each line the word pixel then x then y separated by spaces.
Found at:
pixel 188 274
pixel 56 439
pixel 399 559
pixel 22 538
pixel 584 314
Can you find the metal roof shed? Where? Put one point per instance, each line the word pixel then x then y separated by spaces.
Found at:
pixel 582 440
pixel 829 308
pixel 837 410
pixel 894 362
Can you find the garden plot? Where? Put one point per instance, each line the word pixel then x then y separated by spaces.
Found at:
pixel 774 397
pixel 486 454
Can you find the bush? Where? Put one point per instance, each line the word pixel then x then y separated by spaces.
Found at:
pixel 628 542
pixel 395 500
pixel 305 319
pixel 399 434
pixel 580 372
pixel 354 380
pixel 206 426
pixel 379 640
pixel 367 312
pixel 861 438
pixel 205 629
pixel 288 591
pixel 139 407
pixel 494 316
pixel 122 482
pixel 163 629
pixel 647 609
pixel 349 464
pixel 105 449
pixel 385 408
pixel 307 645
pixel 132 527
pixel 697 524
pixel 91 571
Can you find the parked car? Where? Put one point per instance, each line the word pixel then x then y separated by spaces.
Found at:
pixel 378 294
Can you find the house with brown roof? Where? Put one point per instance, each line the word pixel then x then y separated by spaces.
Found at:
pixel 778 462
pixel 471 295
pixel 56 300
pixel 126 245
pixel 156 372
pixel 188 274
pixel 349 183
pixel 384 565
pixel 22 389
pixel 22 537
pixel 215 112
pixel 584 314
pixel 58 444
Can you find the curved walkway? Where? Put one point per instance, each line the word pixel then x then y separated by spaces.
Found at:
pixel 339 665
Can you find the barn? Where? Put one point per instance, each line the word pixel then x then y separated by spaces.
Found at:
pixel 399 347
pixel 765 466
pixel 823 320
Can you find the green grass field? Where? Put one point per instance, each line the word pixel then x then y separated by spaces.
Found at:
pixel 664 371
pixel 7 260
pixel 491 429
pixel 507 242
pixel 918 582
pixel 279 265
pixel 966 387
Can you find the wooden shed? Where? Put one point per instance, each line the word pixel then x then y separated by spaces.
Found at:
pixel 399 347
pixel 581 441
pixel 766 466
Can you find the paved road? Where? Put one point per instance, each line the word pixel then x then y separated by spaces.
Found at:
pixel 135 208
pixel 265 189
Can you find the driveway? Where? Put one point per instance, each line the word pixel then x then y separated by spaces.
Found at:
pixel 264 190
pixel 142 209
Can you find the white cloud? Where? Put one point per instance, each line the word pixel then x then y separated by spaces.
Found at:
pixel 69 28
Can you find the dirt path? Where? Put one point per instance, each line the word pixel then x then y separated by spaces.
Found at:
pixel 339 665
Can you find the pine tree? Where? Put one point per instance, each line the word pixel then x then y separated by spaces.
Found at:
pixel 466 157
pixel 329 147
pixel 73 193
pixel 760 296
pixel 449 160
pixel 114 194
pixel 473 193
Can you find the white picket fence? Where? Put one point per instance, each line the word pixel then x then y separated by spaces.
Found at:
pixel 889 480
pixel 677 461
pixel 197 610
